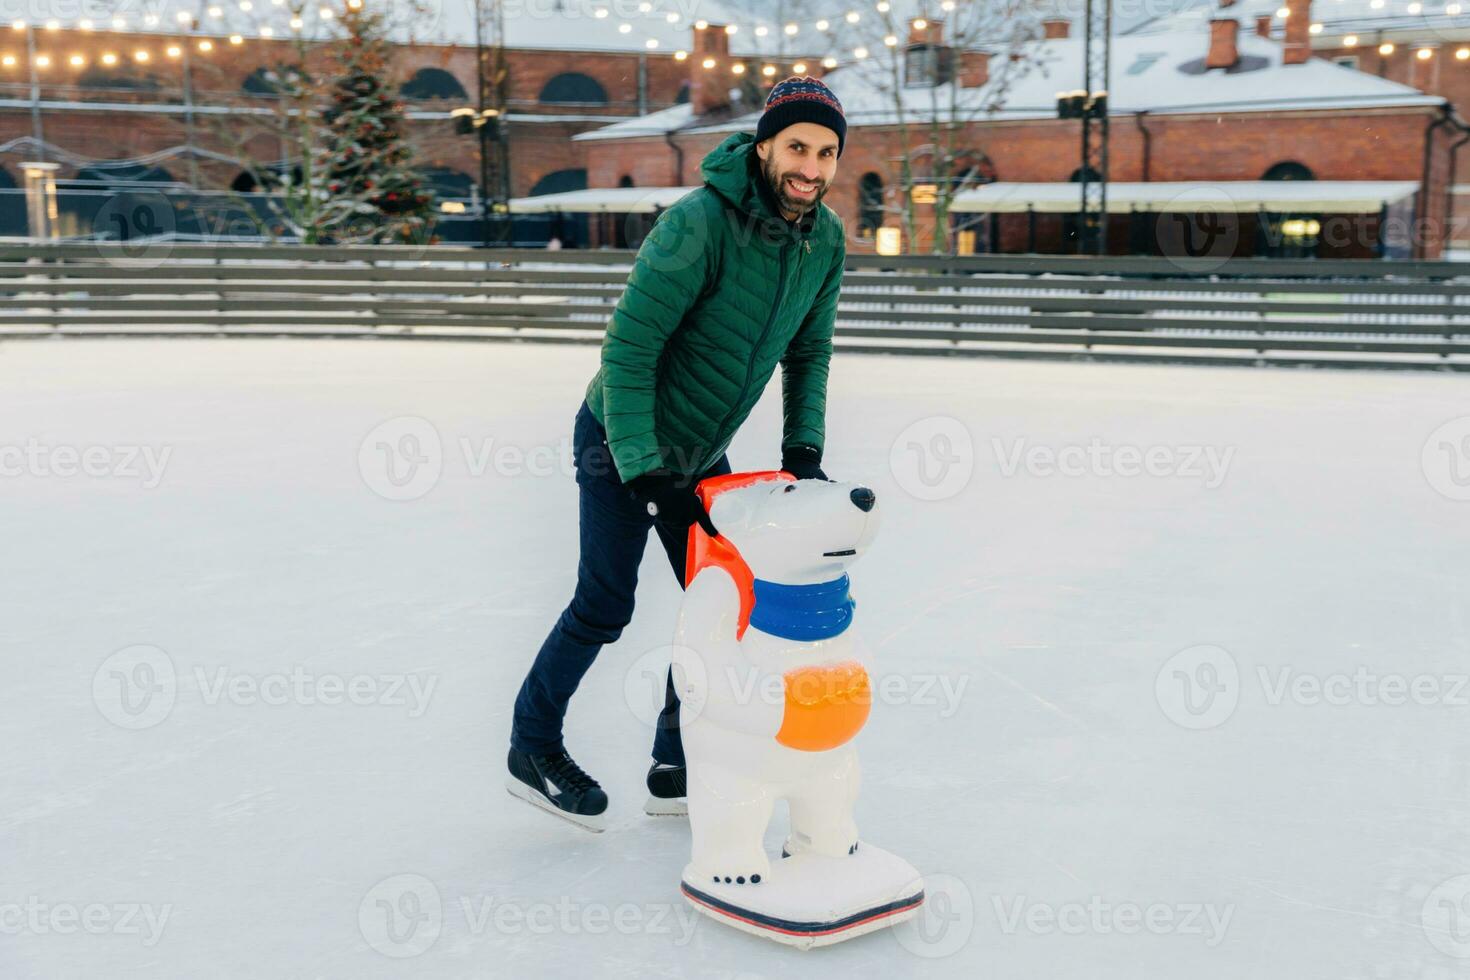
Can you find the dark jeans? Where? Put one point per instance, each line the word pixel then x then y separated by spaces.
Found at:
pixel 614 531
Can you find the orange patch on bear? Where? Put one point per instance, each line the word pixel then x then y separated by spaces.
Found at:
pixel 825 706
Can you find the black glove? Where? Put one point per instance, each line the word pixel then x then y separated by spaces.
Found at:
pixel 803 462
pixel 671 498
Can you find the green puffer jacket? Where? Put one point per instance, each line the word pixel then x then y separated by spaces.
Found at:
pixel 723 289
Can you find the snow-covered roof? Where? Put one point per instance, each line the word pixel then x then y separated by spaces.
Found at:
pixel 563 25
pixel 1324 196
pixel 1436 20
pixel 1146 76
pixel 600 200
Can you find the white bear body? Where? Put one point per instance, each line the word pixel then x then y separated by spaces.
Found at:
pixel 736 687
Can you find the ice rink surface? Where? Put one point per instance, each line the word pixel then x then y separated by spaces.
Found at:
pixel 1204 721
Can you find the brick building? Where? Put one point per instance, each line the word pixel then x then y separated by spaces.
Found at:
pixel 1205 112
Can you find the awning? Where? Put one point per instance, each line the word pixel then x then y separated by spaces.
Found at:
pixel 601 200
pixel 1311 196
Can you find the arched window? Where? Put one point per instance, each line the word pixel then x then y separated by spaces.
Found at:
pixel 870 205
pixel 625 181
pixel 131 172
pixel 433 83
pixel 447 182
pixel 1093 176
pixel 1288 170
pixel 559 181
pixel 117 79
pixel 572 86
pixel 249 182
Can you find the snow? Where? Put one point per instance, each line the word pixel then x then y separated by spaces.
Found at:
pixel 1023 759
pixel 1429 22
pixel 1145 78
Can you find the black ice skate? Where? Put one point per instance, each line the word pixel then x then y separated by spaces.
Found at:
pixel 555 783
pixel 667 791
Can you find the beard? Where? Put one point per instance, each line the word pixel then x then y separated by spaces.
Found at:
pixel 777 182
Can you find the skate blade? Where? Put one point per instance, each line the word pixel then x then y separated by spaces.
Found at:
pixel 657 806
pixel 596 823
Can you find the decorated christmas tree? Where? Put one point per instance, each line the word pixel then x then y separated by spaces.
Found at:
pixel 368 159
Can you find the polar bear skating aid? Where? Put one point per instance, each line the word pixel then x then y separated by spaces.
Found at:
pixel 773 688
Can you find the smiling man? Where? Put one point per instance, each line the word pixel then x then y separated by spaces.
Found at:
pixel 736 278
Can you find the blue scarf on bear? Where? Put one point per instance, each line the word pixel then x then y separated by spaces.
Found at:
pixel 802 612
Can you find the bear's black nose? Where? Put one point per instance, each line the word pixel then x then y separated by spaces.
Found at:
pixel 864 498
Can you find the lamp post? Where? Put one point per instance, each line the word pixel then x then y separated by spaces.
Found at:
pixel 36 133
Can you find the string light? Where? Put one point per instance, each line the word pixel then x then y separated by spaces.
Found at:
pixel 699 25
pixel 183 17
pixel 174 51
pixel 829 62
pixel 1414 8
pixel 1351 41
pixel 822 25
pixel 768 70
pixel 77 61
pixel 206 46
pixel 8 60
pixel 326 13
pixel 708 63
pixel 737 68
pixel 1424 54
pixel 601 13
pixel 853 17
pixel 883 7
pixel 267 31
pixel 791 30
pixel 108 58
pixel 236 39
pixel 84 24
pixel 920 23
pixel 43 61
pixel 1462 54
pixel 799 68
pixel 17 25
pixel 651 43
pixel 140 56
pixel 671 17
pixel 1386 47
pixel 681 55
pixel 732 28
pixel 890 40
pixel 860 53
pixel 761 31
pixel 625 28
pixel 1315 29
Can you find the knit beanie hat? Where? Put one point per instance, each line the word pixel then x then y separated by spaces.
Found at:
pixel 801 98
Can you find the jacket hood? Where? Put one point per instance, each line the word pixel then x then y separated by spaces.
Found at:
pixel 733 171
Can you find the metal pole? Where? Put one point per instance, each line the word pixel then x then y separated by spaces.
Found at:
pixel 193 25
pixel 485 195
pixel 36 133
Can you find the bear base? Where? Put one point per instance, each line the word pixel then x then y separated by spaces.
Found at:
pixel 810 900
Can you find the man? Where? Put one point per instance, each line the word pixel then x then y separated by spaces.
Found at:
pixel 734 278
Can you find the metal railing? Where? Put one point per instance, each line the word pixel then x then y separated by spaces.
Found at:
pixel 1244 311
